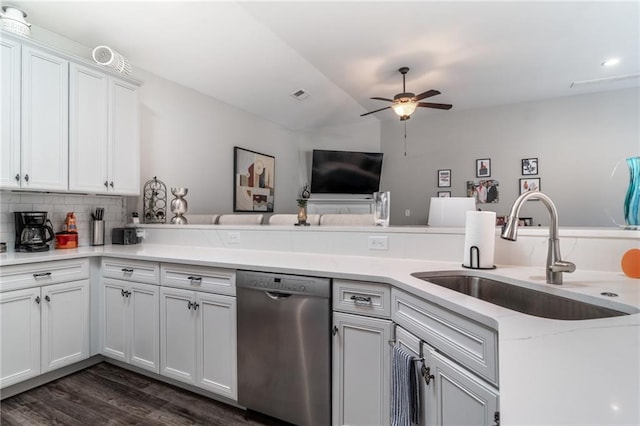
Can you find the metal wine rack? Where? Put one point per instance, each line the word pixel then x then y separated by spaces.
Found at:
pixel 155 201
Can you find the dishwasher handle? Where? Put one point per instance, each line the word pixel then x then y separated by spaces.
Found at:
pixel 276 295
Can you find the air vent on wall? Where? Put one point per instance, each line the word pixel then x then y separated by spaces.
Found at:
pixel 300 94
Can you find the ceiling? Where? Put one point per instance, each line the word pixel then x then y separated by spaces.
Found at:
pixel 253 55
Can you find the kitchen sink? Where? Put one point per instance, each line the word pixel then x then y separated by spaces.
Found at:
pixel 518 298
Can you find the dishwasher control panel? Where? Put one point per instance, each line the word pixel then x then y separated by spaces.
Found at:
pixel 283 283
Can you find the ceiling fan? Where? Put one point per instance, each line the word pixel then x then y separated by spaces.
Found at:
pixel 405 103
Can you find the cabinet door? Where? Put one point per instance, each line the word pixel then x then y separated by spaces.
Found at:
pixel 65 324
pixel 20 334
pixel 10 114
pixel 124 143
pixel 144 326
pixel 177 334
pixel 45 119
pixel 216 344
pixel 88 130
pixel 114 319
pixel 361 370
pixel 456 397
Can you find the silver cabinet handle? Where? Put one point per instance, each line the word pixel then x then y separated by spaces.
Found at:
pixel 426 373
pixel 41 275
pixel 195 280
pixel 361 299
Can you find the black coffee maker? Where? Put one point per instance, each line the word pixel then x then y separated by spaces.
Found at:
pixel 33 231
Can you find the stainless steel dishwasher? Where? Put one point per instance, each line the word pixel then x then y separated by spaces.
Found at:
pixel 284 346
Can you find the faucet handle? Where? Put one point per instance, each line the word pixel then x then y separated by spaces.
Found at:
pixel 562 266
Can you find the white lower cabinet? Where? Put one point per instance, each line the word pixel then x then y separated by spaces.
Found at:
pixel 361 370
pixel 198 339
pixel 43 328
pixel 130 323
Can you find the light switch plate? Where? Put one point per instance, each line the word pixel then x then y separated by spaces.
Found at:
pixel 379 243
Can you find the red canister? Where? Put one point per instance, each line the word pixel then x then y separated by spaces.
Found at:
pixel 66 240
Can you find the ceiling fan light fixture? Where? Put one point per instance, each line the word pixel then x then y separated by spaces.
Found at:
pixel 404 108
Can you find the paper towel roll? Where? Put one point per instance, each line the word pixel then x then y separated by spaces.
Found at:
pixel 480 232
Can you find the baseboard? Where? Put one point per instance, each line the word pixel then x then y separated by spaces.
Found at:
pixel 42 379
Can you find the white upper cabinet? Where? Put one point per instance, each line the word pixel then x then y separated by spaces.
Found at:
pixel 88 130
pixel 103 141
pixel 124 142
pixel 45 118
pixel 10 66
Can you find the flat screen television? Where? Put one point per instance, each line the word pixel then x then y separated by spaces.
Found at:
pixel 345 172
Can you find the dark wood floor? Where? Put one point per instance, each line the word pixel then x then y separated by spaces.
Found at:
pixel 108 395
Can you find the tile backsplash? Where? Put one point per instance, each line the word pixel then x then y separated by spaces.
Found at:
pixel 57 206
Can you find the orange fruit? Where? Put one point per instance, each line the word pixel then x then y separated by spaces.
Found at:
pixel 631 263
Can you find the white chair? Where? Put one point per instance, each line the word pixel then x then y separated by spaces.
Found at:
pixel 292 219
pixel 240 219
pixel 201 219
pixel 347 219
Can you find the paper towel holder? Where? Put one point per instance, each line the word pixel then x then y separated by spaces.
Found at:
pixel 475 249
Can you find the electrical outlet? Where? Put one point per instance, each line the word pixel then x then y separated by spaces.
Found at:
pixel 407 212
pixel 379 243
pixel 233 237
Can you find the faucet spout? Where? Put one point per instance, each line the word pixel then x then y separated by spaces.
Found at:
pixel 555 265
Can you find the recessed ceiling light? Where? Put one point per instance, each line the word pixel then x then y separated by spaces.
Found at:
pixel 611 62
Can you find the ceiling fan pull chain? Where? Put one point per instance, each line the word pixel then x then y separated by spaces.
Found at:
pixel 405 138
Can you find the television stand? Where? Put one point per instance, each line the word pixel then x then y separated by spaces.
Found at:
pixel 339 205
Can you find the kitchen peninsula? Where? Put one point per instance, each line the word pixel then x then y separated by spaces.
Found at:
pixel 550 371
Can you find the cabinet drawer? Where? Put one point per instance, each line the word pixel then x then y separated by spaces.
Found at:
pixel 364 298
pixel 16 277
pixel 470 343
pixel 131 270
pixel 200 278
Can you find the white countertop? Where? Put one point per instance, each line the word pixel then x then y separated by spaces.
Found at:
pixel 552 372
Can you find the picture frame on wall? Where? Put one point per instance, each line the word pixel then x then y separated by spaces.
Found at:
pixel 529 166
pixel 254 181
pixel 483 167
pixel 444 178
pixel 529 184
pixel 444 194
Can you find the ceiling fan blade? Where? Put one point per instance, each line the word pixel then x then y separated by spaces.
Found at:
pixel 427 94
pixel 437 106
pixel 371 112
pixel 383 99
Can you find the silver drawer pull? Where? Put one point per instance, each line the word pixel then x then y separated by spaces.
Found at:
pixel 42 274
pixel 195 280
pixel 361 299
pixel 127 270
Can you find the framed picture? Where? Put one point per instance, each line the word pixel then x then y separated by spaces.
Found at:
pixel 444 178
pixel 484 191
pixel 254 181
pixel 444 194
pixel 529 184
pixel 483 167
pixel 529 166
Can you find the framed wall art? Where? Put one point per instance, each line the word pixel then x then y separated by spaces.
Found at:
pixel 484 191
pixel 529 184
pixel 444 178
pixel 529 166
pixel 483 167
pixel 444 194
pixel 254 181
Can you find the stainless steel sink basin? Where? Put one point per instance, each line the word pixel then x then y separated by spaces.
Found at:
pixel 518 298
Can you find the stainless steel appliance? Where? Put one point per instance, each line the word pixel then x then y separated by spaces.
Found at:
pixel 284 346
pixel 33 231
pixel 124 236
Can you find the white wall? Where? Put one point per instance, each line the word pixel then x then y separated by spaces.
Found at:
pixel 578 141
